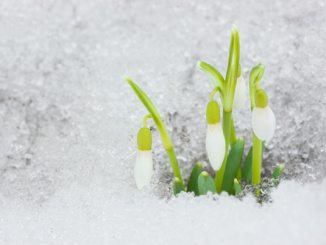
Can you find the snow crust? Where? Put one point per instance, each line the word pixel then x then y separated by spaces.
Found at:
pixel 99 215
pixel 68 121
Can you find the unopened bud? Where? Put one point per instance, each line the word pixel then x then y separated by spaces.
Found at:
pixel 144 139
pixel 212 112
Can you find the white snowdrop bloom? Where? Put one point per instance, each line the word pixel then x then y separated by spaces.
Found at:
pixel 215 145
pixel 215 141
pixel 263 120
pixel 240 93
pixel 143 170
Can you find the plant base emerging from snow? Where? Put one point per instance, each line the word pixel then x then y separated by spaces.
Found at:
pixel 224 149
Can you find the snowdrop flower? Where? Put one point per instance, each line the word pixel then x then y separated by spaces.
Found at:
pixel 240 93
pixel 215 142
pixel 144 163
pixel 263 119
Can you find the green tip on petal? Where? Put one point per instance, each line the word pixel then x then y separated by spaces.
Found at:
pixel 144 139
pixel 261 98
pixel 212 112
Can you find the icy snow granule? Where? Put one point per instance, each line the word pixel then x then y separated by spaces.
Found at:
pixel 68 121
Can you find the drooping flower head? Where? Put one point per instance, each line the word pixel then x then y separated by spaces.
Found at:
pixel 263 119
pixel 144 163
pixel 215 142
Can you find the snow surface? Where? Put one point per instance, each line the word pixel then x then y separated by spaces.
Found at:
pixel 68 121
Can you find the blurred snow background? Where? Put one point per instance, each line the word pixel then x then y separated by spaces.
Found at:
pixel 68 120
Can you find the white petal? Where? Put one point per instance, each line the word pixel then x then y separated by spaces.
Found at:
pixel 240 93
pixel 143 168
pixel 263 123
pixel 215 145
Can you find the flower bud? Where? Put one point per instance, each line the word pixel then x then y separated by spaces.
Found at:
pixel 261 98
pixel 212 112
pixel 263 119
pixel 215 142
pixel 143 170
pixel 144 139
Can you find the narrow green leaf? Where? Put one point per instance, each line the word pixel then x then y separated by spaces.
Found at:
pixel 237 187
pixel 214 73
pixel 247 166
pixel 230 61
pixel 278 171
pixel 232 166
pixel 145 100
pixel 205 183
pixel 239 70
pixel 232 69
pixel 177 186
pixel 193 179
pixel 256 73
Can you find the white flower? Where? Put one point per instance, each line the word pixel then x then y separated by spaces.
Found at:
pixel 215 145
pixel 240 93
pixel 263 123
pixel 143 168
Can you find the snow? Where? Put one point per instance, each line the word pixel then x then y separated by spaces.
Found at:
pixel 68 121
pixel 94 215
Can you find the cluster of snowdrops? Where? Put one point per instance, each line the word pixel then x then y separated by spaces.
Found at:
pixel 223 148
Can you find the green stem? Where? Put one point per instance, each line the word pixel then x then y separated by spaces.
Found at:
pixel 175 165
pixel 233 137
pixel 167 143
pixel 212 94
pixel 227 122
pixel 210 70
pixel 145 118
pixel 256 160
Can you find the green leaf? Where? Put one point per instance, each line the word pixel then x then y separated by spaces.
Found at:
pixel 230 59
pixel 232 166
pixel 278 171
pixel 211 71
pixel 232 69
pixel 193 179
pixel 247 166
pixel 177 186
pixel 146 101
pixel 205 183
pixel 237 187
pixel 239 70
pixel 256 73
